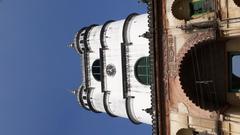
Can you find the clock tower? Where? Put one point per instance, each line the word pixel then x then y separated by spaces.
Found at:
pixel 116 69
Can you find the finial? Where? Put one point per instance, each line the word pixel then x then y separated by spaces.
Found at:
pixel 74 92
pixel 71 45
pixel 146 35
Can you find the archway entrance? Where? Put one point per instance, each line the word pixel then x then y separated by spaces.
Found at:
pixel 202 74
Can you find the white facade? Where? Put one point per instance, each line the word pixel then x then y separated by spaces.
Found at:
pixel 116 77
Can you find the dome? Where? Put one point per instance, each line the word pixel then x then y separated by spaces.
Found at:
pixel 181 9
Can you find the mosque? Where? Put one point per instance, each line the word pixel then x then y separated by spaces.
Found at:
pixel 177 67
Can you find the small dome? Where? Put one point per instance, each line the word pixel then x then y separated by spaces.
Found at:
pixel 185 131
pixel 181 9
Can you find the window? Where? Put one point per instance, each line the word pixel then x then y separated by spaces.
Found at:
pixel 96 70
pixel 198 7
pixel 142 71
pixel 234 72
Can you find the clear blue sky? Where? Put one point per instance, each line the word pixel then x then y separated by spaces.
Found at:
pixel 37 68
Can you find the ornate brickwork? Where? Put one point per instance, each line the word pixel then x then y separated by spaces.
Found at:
pixel 172 71
pixel 191 42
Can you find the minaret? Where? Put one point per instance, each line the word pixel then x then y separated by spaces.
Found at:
pixel 116 70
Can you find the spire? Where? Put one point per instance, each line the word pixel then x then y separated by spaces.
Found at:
pixel 74 92
pixel 71 45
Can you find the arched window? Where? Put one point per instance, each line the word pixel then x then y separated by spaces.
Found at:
pixel 142 71
pixel 96 70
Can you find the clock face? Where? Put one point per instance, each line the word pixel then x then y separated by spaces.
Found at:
pixel 111 70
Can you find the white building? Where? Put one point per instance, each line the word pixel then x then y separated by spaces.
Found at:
pixel 116 70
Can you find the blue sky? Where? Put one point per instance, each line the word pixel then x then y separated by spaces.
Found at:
pixel 37 68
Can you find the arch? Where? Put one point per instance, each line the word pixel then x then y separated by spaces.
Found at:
pixel 200 71
pixel 125 27
pixel 129 109
pixel 85 37
pixel 80 98
pixel 142 71
pixel 89 101
pixel 105 104
pixel 76 41
pixel 102 33
pixel 192 41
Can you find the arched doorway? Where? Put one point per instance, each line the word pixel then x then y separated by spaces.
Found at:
pixel 202 74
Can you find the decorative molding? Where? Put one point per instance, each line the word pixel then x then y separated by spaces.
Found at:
pixel 192 41
pixel 102 33
pixel 85 37
pixel 130 114
pixel 105 104
pixel 76 43
pixel 111 70
pixel 89 92
pixel 80 98
pixel 172 71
